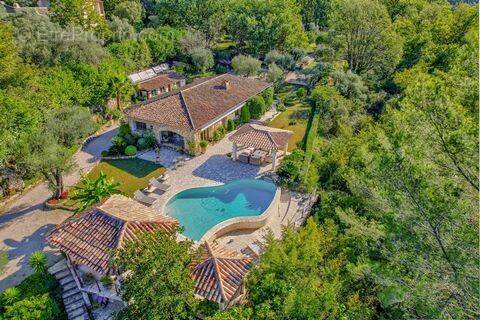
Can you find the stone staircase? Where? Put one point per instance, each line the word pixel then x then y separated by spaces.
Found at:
pixel 73 298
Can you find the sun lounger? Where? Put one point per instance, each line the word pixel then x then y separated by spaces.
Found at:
pixel 143 198
pixel 159 185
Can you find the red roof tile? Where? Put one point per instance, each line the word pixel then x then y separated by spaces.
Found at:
pixel 196 105
pixel 88 239
pixel 261 137
pixel 219 274
pixel 160 81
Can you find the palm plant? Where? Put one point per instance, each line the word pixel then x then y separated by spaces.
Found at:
pixel 91 192
pixel 120 86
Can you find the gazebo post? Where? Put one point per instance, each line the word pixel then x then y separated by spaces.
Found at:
pixel 234 151
pixel 274 159
pixel 285 149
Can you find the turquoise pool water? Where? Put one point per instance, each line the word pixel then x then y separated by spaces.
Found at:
pixel 199 209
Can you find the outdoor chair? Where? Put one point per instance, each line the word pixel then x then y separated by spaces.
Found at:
pixel 258 157
pixel 143 198
pixel 159 185
pixel 244 156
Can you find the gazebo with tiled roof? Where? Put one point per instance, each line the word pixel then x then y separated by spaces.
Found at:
pixel 219 274
pixel 271 140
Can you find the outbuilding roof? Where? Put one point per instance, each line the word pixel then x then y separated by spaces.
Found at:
pixel 200 103
pixel 160 81
pixel 261 137
pixel 89 238
pixel 218 274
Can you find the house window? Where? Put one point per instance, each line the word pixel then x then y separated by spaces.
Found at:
pixel 140 125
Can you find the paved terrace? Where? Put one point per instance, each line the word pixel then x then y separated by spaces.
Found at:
pixel 215 168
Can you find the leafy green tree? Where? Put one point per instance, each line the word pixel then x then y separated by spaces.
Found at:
pixel 132 11
pixel 9 59
pixel 267 96
pixel 256 105
pixel 135 55
pixel 314 12
pixel 246 65
pixel 163 41
pixel 91 192
pixel 202 59
pixel 285 61
pixel 121 88
pixel 120 29
pixel 245 114
pixel 158 285
pixel 36 307
pixel 38 262
pixel 350 85
pixel 79 12
pixel 259 26
pixel 274 73
pixel 365 36
pixel 50 152
pixel 300 277
pixel 38 41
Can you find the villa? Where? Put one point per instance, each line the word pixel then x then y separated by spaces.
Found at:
pixel 193 112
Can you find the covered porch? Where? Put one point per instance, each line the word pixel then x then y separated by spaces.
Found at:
pixel 257 144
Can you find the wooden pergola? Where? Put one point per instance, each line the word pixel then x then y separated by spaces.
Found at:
pixel 270 140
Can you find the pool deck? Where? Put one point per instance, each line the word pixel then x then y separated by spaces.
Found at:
pixel 215 168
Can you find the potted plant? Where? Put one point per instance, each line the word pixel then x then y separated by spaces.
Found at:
pixel 88 278
pixel 107 281
pixel 192 147
pixel 203 145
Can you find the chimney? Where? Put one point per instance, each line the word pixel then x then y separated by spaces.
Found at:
pixel 226 84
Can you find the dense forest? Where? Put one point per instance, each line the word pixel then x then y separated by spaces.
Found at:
pixel 392 147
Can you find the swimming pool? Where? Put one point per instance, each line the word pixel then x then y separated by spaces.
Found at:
pixel 200 209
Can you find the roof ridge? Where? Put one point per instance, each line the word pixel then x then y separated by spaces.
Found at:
pixel 217 272
pixel 121 236
pixel 270 137
pixel 186 109
pixel 202 82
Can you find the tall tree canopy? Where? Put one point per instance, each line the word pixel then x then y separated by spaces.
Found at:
pixel 258 26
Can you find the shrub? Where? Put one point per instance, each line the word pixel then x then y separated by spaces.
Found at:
pixel 217 136
pixel 256 106
pixel 267 96
pixel 219 69
pixel 203 144
pixel 141 144
pixel 274 73
pixel 202 59
pixel 221 130
pixel 246 65
pixel 3 260
pixel 285 61
pixel 38 262
pixel 119 142
pixel 124 129
pixel 104 153
pixel 10 296
pixel 192 146
pixel 149 138
pixel 130 150
pixel 35 307
pixel 298 54
pixel 230 125
pixel 131 139
pixel 302 93
pixel 88 278
pixel 245 114
pixel 106 280
pixel 281 107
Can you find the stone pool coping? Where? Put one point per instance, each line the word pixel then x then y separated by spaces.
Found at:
pixel 243 223
pixel 236 223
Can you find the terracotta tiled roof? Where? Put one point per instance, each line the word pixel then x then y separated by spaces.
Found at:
pixel 261 137
pixel 88 239
pixel 218 274
pixel 198 103
pixel 160 81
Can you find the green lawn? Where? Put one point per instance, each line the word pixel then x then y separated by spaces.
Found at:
pixel 294 118
pixel 132 173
